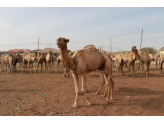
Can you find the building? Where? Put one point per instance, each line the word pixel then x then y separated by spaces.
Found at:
pixel 15 51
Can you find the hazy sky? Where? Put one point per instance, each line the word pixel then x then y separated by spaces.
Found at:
pixel 20 27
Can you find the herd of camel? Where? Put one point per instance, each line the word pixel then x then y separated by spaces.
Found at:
pixel 10 61
pixel 85 61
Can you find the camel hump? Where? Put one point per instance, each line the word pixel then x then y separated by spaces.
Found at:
pixel 89 46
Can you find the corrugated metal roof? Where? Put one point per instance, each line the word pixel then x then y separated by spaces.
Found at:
pixel 162 49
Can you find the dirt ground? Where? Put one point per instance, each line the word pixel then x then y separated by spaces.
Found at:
pixel 50 94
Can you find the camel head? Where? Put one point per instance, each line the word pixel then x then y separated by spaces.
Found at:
pixel 134 49
pixel 62 42
pixel 38 54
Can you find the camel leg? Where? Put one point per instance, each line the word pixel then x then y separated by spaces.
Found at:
pixel 32 67
pixel 133 70
pixel 161 70
pixel 109 82
pixel 141 66
pixel 75 77
pixel 128 69
pixel 106 89
pixel 68 73
pixel 65 70
pixel 102 83
pixel 118 69
pixel 83 78
pixel 50 66
pixel 28 66
pixel 37 67
pixel 121 69
pixel 148 69
pixel 45 66
pixel 41 67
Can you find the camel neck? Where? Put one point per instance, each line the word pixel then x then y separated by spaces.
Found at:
pixel 66 59
pixel 137 56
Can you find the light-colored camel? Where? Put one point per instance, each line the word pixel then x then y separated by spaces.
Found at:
pixel 81 63
pixel 161 63
pixel 119 62
pixel 8 61
pixel 29 59
pixel 1 62
pixel 41 59
pixel 144 58
pixel 49 60
pixel 127 59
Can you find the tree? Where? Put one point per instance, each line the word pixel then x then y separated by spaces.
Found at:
pixel 28 49
pixel 149 50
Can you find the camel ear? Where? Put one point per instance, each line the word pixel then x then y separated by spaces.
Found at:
pixel 66 40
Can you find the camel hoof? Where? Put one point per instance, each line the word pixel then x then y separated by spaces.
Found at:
pixel 104 95
pixel 112 99
pixel 88 103
pixel 74 106
pixel 106 102
pixel 74 92
pixel 97 93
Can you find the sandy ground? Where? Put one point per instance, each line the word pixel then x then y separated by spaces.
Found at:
pixel 50 94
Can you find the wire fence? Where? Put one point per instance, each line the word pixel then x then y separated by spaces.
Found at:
pixel 117 43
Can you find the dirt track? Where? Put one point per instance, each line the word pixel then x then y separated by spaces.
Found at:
pixel 138 96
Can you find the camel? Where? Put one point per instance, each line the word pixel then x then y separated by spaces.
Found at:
pixel 119 62
pixel 29 59
pixel 1 62
pixel 81 63
pixel 7 60
pixel 41 59
pixel 144 58
pixel 127 58
pixel 152 57
pixel 93 48
pixel 59 59
pixel 18 59
pixel 49 60
pixel 161 63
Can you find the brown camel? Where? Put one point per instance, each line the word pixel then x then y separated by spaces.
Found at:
pixel 144 58
pixel 152 57
pixel 18 59
pixel 41 59
pixel 161 63
pixel 29 59
pixel 59 59
pixel 92 48
pixel 83 62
